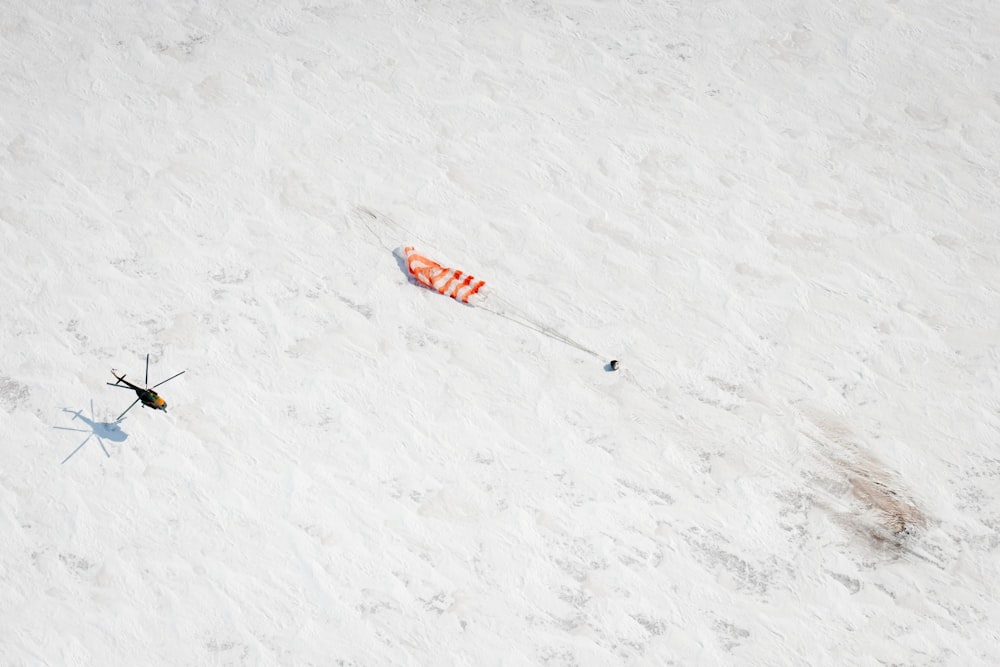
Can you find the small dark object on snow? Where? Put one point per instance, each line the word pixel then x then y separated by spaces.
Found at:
pixel 613 364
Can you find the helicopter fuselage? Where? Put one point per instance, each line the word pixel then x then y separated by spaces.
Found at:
pixel 149 398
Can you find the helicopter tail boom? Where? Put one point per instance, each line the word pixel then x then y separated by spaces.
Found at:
pixel 121 381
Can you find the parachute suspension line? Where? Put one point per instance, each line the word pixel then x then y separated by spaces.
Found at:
pixel 527 322
pixel 456 284
pixel 367 217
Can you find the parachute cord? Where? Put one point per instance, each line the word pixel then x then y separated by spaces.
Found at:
pixel 368 217
pixel 528 323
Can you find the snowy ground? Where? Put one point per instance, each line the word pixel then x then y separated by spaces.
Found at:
pixel 781 217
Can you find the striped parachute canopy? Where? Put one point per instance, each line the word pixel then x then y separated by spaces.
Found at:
pixel 450 282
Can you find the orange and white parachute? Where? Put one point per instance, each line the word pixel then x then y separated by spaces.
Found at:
pixel 450 282
pixel 458 285
pixel 468 289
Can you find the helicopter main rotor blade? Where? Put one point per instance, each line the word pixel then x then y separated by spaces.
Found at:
pixel 167 380
pixel 146 381
pixel 120 386
pixel 78 447
pixel 127 409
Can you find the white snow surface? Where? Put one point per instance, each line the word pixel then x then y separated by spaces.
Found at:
pixel 780 215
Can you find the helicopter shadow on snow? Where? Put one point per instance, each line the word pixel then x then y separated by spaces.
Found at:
pixel 110 431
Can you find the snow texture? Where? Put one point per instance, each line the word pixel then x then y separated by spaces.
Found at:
pixel 781 216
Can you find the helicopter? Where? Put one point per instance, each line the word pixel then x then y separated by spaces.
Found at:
pixel 149 398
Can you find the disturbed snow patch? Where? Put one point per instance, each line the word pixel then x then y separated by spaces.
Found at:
pixel 879 509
